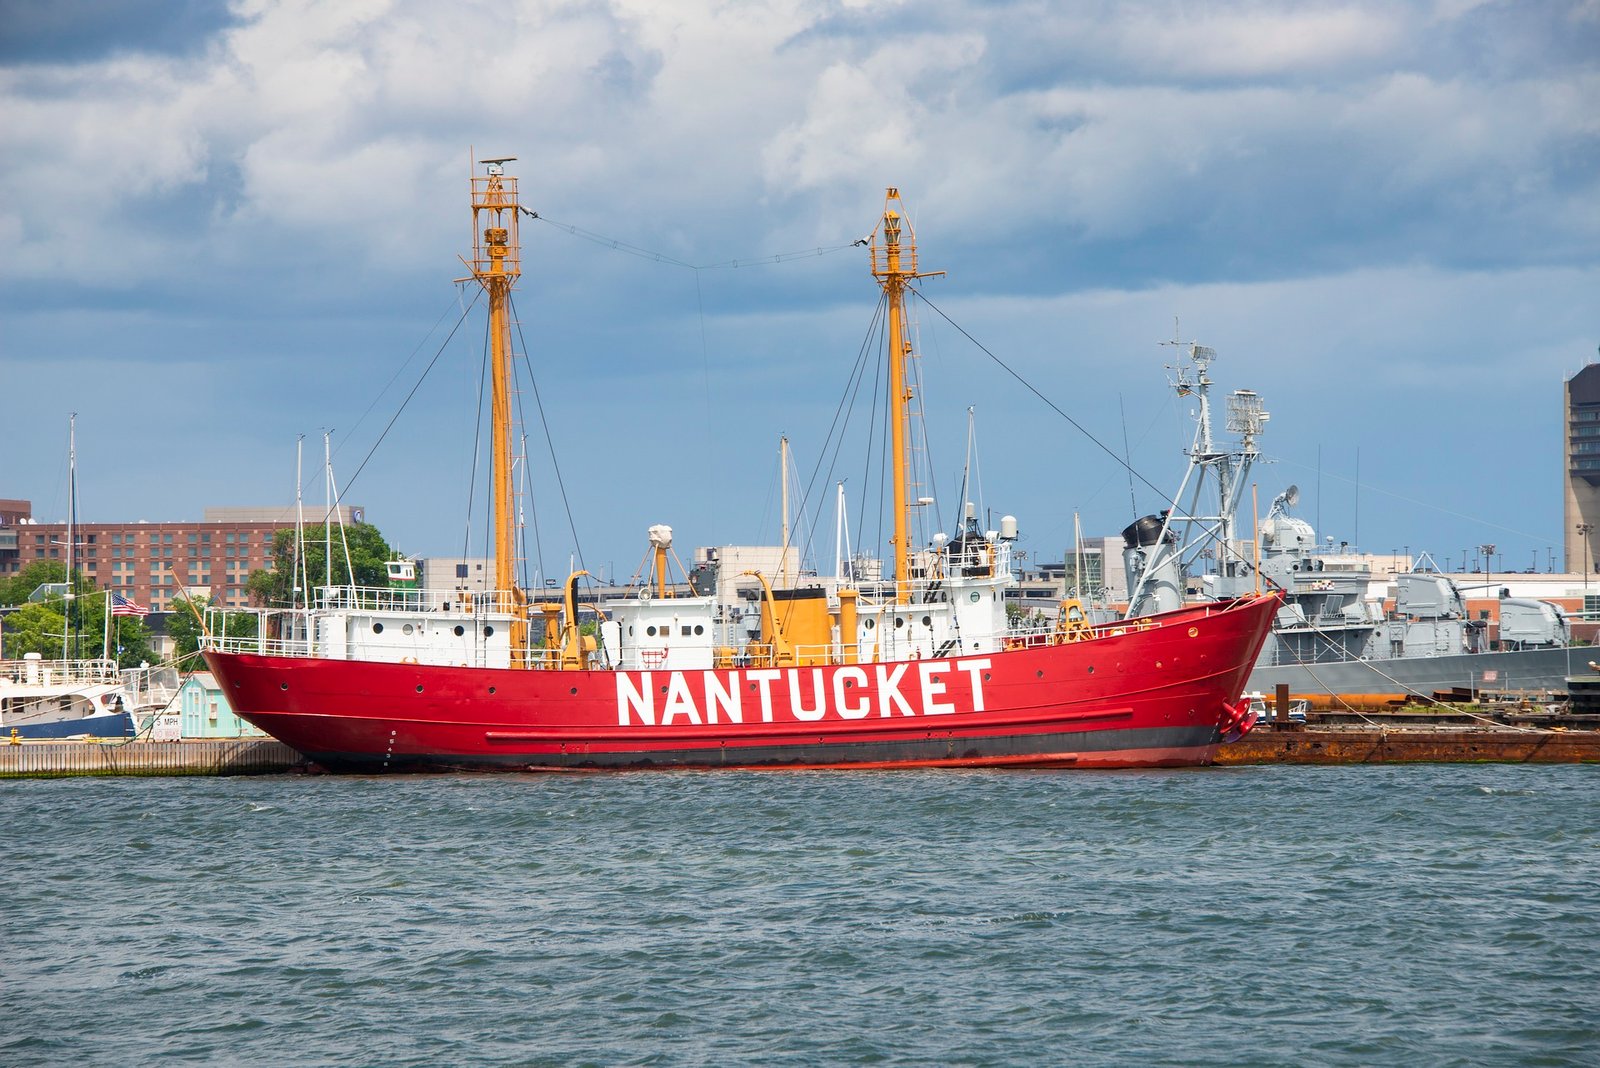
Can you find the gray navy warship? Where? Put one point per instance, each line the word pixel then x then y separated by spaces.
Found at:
pixel 1331 637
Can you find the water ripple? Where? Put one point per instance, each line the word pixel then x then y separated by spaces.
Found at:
pixel 1267 916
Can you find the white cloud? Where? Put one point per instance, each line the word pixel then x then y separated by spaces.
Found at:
pixel 1254 39
pixel 1404 192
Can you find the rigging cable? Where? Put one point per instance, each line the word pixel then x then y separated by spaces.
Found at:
pixel 401 369
pixel 618 245
pixel 477 454
pixel 392 419
pixel 544 422
pixel 1048 402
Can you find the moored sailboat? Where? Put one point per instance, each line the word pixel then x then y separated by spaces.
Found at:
pixel 924 669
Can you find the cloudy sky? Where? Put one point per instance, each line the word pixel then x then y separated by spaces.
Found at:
pixel 226 225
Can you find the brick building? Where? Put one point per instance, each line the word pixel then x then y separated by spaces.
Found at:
pixel 151 562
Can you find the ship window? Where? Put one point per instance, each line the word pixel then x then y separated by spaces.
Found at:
pixel 377 628
pixel 698 629
pixel 927 621
pixel 407 628
pixel 491 689
pixel 871 623
pixel 899 622
pixel 460 630
pixel 650 631
pixel 488 632
pixel 687 631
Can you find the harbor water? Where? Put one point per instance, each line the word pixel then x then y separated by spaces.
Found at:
pixel 1440 914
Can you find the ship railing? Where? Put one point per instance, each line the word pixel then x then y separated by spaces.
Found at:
pixel 390 599
pixel 1052 633
pixel 267 631
pixel 541 659
pixel 38 672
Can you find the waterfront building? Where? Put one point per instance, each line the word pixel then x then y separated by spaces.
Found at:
pixel 1581 471
pixel 150 563
pixel 206 712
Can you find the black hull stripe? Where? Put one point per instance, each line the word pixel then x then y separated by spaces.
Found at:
pixel 919 751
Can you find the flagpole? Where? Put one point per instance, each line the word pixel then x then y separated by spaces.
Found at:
pixel 105 650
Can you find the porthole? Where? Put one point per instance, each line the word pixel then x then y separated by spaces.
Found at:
pixel 407 628
pixel 927 621
pixel 871 623
pixel 987 676
pixel 573 691
pixel 651 631
pixel 1091 669
pixel 460 630
pixel 491 690
pixel 1039 674
pixel 377 628
pixel 899 622
pixel 699 628
pixel 283 685
pixel 973 596
pixel 488 632
pixel 419 687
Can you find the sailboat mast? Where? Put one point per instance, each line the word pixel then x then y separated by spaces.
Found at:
pixel 72 518
pixel 783 477
pixel 497 264
pixel 898 267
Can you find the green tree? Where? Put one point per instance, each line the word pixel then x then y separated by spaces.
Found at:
pixel 19 587
pixel 369 556
pixel 184 627
pixel 42 627
pixel 34 628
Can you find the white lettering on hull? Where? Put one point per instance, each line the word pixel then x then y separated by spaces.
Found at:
pixel 704 698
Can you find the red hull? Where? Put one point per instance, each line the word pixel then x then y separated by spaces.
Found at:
pixel 1154 696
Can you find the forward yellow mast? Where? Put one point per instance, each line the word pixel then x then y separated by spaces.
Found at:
pixel 497 264
pixel 896 267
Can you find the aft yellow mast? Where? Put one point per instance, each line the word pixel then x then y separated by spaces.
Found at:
pixel 897 267
pixel 497 264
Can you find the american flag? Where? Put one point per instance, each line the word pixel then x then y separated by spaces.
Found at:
pixel 121 606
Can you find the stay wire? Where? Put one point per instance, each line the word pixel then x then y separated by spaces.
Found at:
pixel 1102 446
pixel 618 245
pixel 477 451
pixel 394 377
pixel 841 420
pixel 350 484
pixel 544 423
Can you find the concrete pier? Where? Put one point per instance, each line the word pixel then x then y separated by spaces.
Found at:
pixel 55 759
